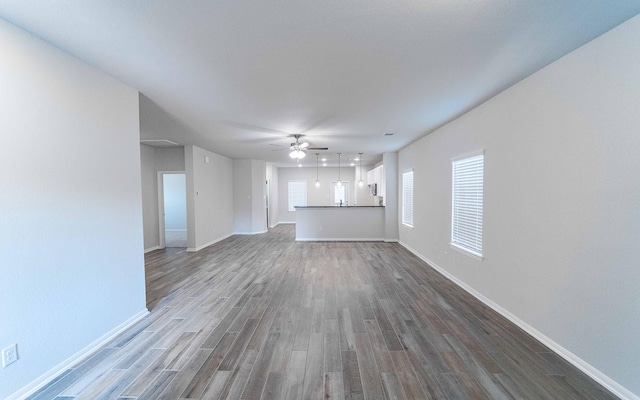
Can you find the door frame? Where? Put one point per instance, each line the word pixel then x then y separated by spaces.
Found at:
pixel 161 237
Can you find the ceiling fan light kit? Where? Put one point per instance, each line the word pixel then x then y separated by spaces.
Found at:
pixel 298 149
pixel 297 154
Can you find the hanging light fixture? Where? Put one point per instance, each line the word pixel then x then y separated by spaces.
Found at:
pixel 360 182
pixel 297 154
pixel 297 147
pixel 339 183
pixel 317 166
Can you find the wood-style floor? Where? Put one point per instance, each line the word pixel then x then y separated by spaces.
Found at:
pixel 264 317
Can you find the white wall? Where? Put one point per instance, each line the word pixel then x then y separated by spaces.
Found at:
pixel 152 160
pixel 149 197
pixel 258 203
pixel 72 267
pixel 562 202
pixel 170 158
pixel 249 206
pixel 209 197
pixel 315 196
pixel 391 190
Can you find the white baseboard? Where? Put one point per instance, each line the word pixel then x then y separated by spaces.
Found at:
pixel 391 241
pixel 175 230
pixel 250 233
pixel 273 226
pixel 86 352
pixel 340 240
pixel 287 222
pixel 611 385
pixel 194 249
pixel 152 249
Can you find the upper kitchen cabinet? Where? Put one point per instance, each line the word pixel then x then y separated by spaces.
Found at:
pixel 376 176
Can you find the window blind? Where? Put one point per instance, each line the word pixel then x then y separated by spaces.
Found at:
pixel 466 210
pixel 407 198
pixel 297 194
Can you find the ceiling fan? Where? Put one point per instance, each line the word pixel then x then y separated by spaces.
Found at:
pixel 298 149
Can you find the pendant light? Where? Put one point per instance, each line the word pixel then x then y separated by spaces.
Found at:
pixel 317 180
pixel 360 183
pixel 339 183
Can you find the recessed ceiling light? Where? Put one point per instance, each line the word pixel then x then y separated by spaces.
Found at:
pixel 300 165
pixel 356 159
pixel 388 134
pixel 324 159
pixel 352 164
pixel 324 164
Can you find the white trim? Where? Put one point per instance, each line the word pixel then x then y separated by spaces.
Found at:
pixel 340 240
pixel 83 354
pixel 194 249
pixel 150 249
pixel 287 222
pixel 250 233
pixel 466 252
pixel 273 226
pixel 175 230
pixel 595 374
pixel 391 241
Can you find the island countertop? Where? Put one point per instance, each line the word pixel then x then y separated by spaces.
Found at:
pixel 351 223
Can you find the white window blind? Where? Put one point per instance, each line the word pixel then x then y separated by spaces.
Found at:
pixel 466 209
pixel 297 194
pixel 407 198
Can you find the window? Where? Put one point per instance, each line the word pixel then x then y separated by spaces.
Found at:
pixel 297 194
pixel 340 193
pixel 466 208
pixel 407 198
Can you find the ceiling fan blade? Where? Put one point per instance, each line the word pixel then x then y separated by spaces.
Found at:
pixel 317 148
pixel 304 145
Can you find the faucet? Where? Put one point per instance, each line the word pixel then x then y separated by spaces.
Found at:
pixel 340 202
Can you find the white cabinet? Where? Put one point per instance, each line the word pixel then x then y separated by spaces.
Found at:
pixel 371 177
pixel 376 176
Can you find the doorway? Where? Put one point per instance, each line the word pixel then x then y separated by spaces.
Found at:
pixel 172 193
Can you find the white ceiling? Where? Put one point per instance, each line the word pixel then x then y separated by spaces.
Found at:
pixel 236 77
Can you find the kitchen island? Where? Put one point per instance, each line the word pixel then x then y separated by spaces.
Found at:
pixel 333 223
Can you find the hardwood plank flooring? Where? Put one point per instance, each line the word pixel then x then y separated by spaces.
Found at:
pixel 265 317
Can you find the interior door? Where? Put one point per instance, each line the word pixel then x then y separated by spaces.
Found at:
pixel 174 188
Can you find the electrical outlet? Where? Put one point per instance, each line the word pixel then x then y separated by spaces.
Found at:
pixel 9 355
